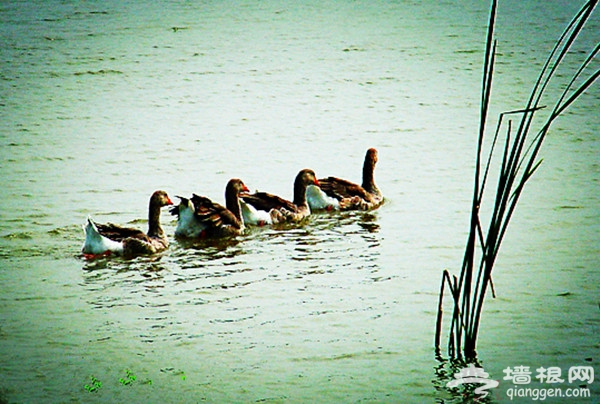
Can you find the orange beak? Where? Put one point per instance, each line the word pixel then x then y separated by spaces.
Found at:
pixel 316 182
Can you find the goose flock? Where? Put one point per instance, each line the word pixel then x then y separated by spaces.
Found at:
pixel 200 217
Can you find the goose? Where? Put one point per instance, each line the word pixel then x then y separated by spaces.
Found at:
pixel 281 210
pixel 107 239
pixel 337 193
pixel 200 217
pixel 253 216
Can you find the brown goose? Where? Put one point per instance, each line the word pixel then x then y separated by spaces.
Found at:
pixel 281 210
pixel 106 239
pixel 201 217
pixel 337 193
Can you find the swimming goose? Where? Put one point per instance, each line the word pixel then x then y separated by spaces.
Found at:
pixel 253 216
pixel 201 217
pixel 281 210
pixel 106 239
pixel 337 193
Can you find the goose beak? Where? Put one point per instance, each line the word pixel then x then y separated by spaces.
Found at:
pixel 244 191
pixel 316 182
pixel 169 201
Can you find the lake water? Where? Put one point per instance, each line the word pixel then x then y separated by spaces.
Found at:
pixel 103 102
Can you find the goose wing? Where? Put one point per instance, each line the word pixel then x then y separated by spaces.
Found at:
pixel 213 214
pixel 339 188
pixel 119 233
pixel 267 202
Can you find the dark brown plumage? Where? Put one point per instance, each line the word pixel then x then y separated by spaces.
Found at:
pixel 211 219
pixel 282 210
pixel 353 196
pixel 102 239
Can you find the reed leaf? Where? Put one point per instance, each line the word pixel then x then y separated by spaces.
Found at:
pixel 518 163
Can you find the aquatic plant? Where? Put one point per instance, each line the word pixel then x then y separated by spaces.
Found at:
pixel 517 161
pixel 94 385
pixel 131 377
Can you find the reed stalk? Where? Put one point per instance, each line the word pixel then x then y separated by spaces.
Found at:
pixel 518 162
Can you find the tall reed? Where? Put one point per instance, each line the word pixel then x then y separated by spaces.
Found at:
pixel 518 161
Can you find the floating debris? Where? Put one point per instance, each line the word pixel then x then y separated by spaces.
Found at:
pixel 101 71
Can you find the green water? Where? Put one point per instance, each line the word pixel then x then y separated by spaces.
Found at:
pixel 102 103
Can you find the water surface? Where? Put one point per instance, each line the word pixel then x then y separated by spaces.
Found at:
pixel 104 102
